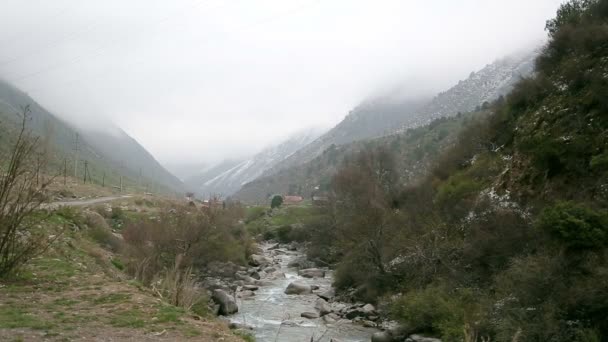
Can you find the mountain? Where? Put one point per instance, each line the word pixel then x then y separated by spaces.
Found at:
pixel 228 177
pixel 309 167
pixel 384 115
pixel 484 86
pixel 108 151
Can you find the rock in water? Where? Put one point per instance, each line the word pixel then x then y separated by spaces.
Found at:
pixel 226 302
pixel 298 288
pixel 258 260
pixel 312 273
pixel 328 295
pixel 310 315
pixel 322 306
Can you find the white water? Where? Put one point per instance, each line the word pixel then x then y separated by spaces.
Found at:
pixel 275 316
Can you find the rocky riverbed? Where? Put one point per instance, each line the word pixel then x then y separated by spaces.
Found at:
pixel 281 297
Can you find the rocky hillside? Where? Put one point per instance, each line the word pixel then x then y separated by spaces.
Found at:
pixel 309 167
pixel 109 151
pixel 505 237
pixel 228 177
pixel 484 86
pixel 415 150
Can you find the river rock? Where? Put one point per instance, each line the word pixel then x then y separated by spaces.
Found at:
pixel 328 295
pixel 298 288
pixel 369 324
pixel 258 260
pixel 227 304
pixel 310 315
pixel 322 306
pixel 255 275
pixel 270 270
pixel 250 287
pixel 312 273
pixel 246 294
pixel 300 262
pixel 245 278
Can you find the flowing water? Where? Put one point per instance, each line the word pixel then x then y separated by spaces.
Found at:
pixel 275 316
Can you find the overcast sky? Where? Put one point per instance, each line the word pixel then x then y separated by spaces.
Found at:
pixel 198 80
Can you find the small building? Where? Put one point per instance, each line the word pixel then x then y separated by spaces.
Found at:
pixel 292 200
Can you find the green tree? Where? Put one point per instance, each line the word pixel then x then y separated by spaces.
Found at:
pixel 276 201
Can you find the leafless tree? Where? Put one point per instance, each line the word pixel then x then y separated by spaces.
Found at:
pixel 22 187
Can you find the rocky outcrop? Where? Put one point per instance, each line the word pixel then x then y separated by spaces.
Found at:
pixel 225 301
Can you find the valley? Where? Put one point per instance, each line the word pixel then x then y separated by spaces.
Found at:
pixel 473 213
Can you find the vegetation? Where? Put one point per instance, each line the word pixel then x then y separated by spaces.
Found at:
pixel 22 192
pixel 505 237
pixel 277 201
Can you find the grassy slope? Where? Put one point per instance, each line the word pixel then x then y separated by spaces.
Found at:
pixel 76 291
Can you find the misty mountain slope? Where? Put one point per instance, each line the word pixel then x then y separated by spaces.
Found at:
pixel 488 84
pixel 370 119
pixel 414 151
pixel 384 115
pixel 229 176
pixel 111 152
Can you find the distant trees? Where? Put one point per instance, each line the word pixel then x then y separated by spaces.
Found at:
pixel 22 187
pixel 276 201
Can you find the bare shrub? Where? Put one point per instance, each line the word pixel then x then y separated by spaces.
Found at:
pixel 22 192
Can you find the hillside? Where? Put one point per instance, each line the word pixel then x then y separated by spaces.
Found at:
pixel 227 177
pixel 414 149
pixel 309 167
pixel 108 151
pixel 505 236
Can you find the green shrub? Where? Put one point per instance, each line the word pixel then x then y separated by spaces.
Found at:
pixel 117 263
pixel 434 310
pixel 104 237
pixel 575 225
pixel 599 162
pixel 276 201
pixel 254 213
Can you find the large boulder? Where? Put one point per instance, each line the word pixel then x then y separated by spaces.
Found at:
pixel 225 301
pixel 328 295
pixel 258 260
pixel 322 306
pixel 298 288
pixel 312 273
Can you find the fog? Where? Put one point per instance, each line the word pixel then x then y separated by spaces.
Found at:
pixel 199 81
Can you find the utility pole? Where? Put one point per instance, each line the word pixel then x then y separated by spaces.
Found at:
pixel 85 171
pixel 76 149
